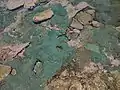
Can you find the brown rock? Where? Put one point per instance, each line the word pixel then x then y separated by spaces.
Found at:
pixel 47 14
pixel 4 71
pixel 76 24
pixel 84 18
pixel 10 51
pixel 83 5
pixel 29 3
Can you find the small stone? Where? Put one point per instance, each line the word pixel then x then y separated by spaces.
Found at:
pixel 76 24
pixel 73 34
pixel 74 43
pixel 91 12
pixel 76 31
pixel 115 63
pixel 84 18
pixel 13 4
pixel 47 14
pixel 38 67
pixel 13 72
pixel 4 71
pixel 64 73
pixel 96 24
pixel 118 28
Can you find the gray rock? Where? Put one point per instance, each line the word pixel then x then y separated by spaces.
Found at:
pixel 84 18
pixel 13 4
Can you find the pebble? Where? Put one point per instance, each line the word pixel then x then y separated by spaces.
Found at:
pixel 76 31
pixel 118 28
pixel 96 24
pixel 13 72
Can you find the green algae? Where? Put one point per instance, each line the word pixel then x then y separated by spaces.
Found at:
pixel 6 17
pixel 48 46
pixel 107 40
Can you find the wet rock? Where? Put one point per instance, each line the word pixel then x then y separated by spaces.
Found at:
pixel 30 4
pixel 92 47
pixel 74 43
pixel 82 5
pixel 4 71
pixel 115 63
pixel 13 72
pixel 76 24
pixel 91 12
pixel 118 28
pixel 14 4
pixel 71 11
pixel 73 34
pixel 96 24
pixel 3 3
pixel 39 17
pixel 62 2
pixel 76 31
pixel 8 52
pixel 38 67
pixel 88 27
pixel 84 18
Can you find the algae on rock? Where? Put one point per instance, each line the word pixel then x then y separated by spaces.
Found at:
pixel 49 46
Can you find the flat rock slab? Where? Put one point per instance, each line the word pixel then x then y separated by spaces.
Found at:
pixel 13 4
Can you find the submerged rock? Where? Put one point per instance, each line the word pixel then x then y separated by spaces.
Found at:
pixel 13 72
pixel 96 24
pixel 14 4
pixel 38 67
pixel 47 14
